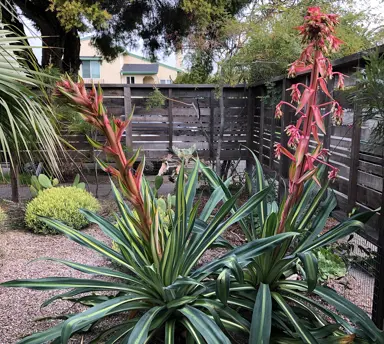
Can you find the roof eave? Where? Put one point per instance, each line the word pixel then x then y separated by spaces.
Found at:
pixel 179 70
pixel 138 73
pixel 91 58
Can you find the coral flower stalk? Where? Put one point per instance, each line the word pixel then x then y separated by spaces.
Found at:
pixel 318 33
pixel 90 106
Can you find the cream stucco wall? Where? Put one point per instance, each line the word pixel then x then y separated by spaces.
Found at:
pixel 110 72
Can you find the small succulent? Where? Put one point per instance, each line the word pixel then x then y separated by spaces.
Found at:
pixel 43 182
pixel 77 183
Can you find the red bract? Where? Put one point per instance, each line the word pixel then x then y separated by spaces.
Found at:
pixel 90 105
pixel 318 33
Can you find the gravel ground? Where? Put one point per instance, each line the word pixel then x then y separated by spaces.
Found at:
pixel 20 307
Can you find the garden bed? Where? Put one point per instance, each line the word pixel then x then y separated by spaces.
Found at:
pixel 21 307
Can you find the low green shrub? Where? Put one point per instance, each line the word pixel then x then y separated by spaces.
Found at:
pixel 60 203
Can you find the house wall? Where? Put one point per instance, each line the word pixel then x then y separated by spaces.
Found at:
pixel 110 71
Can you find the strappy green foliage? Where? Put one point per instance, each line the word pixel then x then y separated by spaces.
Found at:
pixel 285 310
pixel 25 120
pixel 160 292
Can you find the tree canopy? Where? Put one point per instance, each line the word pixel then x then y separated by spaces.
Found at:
pixel 269 40
pixel 161 25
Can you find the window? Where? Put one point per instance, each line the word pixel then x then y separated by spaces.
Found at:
pixel 163 81
pixel 91 69
pixel 130 79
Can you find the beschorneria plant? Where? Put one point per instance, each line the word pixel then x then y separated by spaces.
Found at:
pixel 318 35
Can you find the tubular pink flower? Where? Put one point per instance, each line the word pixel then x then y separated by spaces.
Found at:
pixel 294 135
pixel 277 151
pixel 295 93
pixel 340 80
pixel 337 113
pixel 278 112
pixel 332 174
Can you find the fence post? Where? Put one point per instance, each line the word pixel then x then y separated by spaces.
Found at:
pixel 261 132
pixel 170 118
pixel 212 126
pixel 354 165
pixel 127 112
pixel 378 291
pixel 286 119
pixel 250 124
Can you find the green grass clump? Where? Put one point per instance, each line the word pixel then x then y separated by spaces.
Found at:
pixel 60 203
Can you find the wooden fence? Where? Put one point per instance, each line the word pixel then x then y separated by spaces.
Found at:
pixel 191 117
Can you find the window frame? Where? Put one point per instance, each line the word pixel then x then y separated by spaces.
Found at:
pixel 91 69
pixel 131 78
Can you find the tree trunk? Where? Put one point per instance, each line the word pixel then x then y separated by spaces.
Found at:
pixel 71 61
pixel 14 176
pixel 61 48
pixel 221 132
pixel 53 52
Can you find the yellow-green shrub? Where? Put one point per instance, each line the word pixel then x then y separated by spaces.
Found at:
pixel 60 203
pixel 3 216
